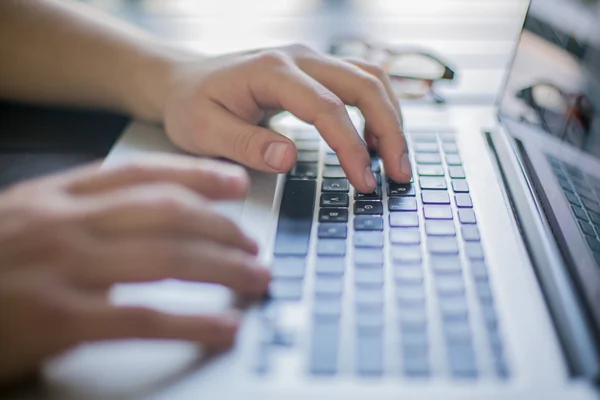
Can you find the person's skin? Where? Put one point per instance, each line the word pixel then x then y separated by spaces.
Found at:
pixel 65 239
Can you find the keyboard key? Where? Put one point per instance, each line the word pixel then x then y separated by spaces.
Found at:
pixel 430 170
pixel 405 236
pixel 371 277
pixel 368 239
pixel 428 158
pixel 437 212
pixel 332 160
pixel 591 205
pixel 376 195
pixel 368 208
pixel 474 251
pixel 479 270
pixel 308 156
pixel 375 165
pixel 369 257
pixel 572 198
pixel 406 254
pixel 454 308
pixel 432 183
pixel 288 267
pixel 453 159
pixel 330 265
pixel 329 286
pixel 450 148
pixel 331 247
pixel 334 200
pixel 303 170
pixel 446 265
pixel 327 308
pixel 470 233
pixel 593 243
pixel 460 186
pixel 308 145
pixel 423 138
pixel 579 213
pixel 467 216
pixel 416 367
pixel 489 316
pixel 450 285
pixel 368 223
pixel 410 296
pixel 369 322
pixel 442 245
pixel 335 185
pixel 369 356
pixel 402 204
pixel 333 172
pixel 324 347
pixel 408 276
pixel 413 317
pixel 368 298
pixel 462 361
pixel 435 227
pixel 333 215
pixel 431 147
pixel 400 189
pixel 456 172
pixel 404 219
pixel 286 289
pixel 435 197
pixel 295 218
pixel 332 231
pixel 463 200
pixel 484 291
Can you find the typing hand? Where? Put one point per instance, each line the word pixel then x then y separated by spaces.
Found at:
pixel 212 106
pixel 65 239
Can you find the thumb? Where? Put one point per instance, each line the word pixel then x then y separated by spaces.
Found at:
pixel 254 146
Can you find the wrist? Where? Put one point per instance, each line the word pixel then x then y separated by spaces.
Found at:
pixel 153 77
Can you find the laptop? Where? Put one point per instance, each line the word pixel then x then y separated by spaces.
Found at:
pixel 480 279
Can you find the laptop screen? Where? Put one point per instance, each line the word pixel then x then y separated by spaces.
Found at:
pixel 554 83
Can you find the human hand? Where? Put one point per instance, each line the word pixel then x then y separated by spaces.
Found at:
pixel 211 106
pixel 65 239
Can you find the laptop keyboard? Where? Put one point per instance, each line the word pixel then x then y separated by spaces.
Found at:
pixel 395 281
pixel 581 191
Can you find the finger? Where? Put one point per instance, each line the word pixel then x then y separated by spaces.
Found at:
pixel 286 86
pixel 103 322
pixel 215 180
pixel 160 210
pixel 226 135
pixel 370 94
pixel 145 260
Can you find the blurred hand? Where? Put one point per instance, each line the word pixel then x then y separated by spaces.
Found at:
pixel 212 106
pixel 64 240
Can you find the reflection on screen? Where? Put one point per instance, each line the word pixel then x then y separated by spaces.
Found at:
pixel 555 80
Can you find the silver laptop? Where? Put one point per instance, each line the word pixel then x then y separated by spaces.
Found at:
pixel 480 279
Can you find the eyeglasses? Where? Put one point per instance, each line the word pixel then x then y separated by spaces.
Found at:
pixel 412 72
pixel 568 116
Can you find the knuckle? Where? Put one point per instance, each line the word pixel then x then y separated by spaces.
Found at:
pixel 372 84
pixel 273 58
pixel 375 70
pixel 299 49
pixel 243 142
pixel 329 103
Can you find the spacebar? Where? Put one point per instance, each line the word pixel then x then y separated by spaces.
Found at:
pixel 295 218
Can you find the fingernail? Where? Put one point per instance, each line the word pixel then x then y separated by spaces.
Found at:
pixel 370 178
pixel 405 165
pixel 275 154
